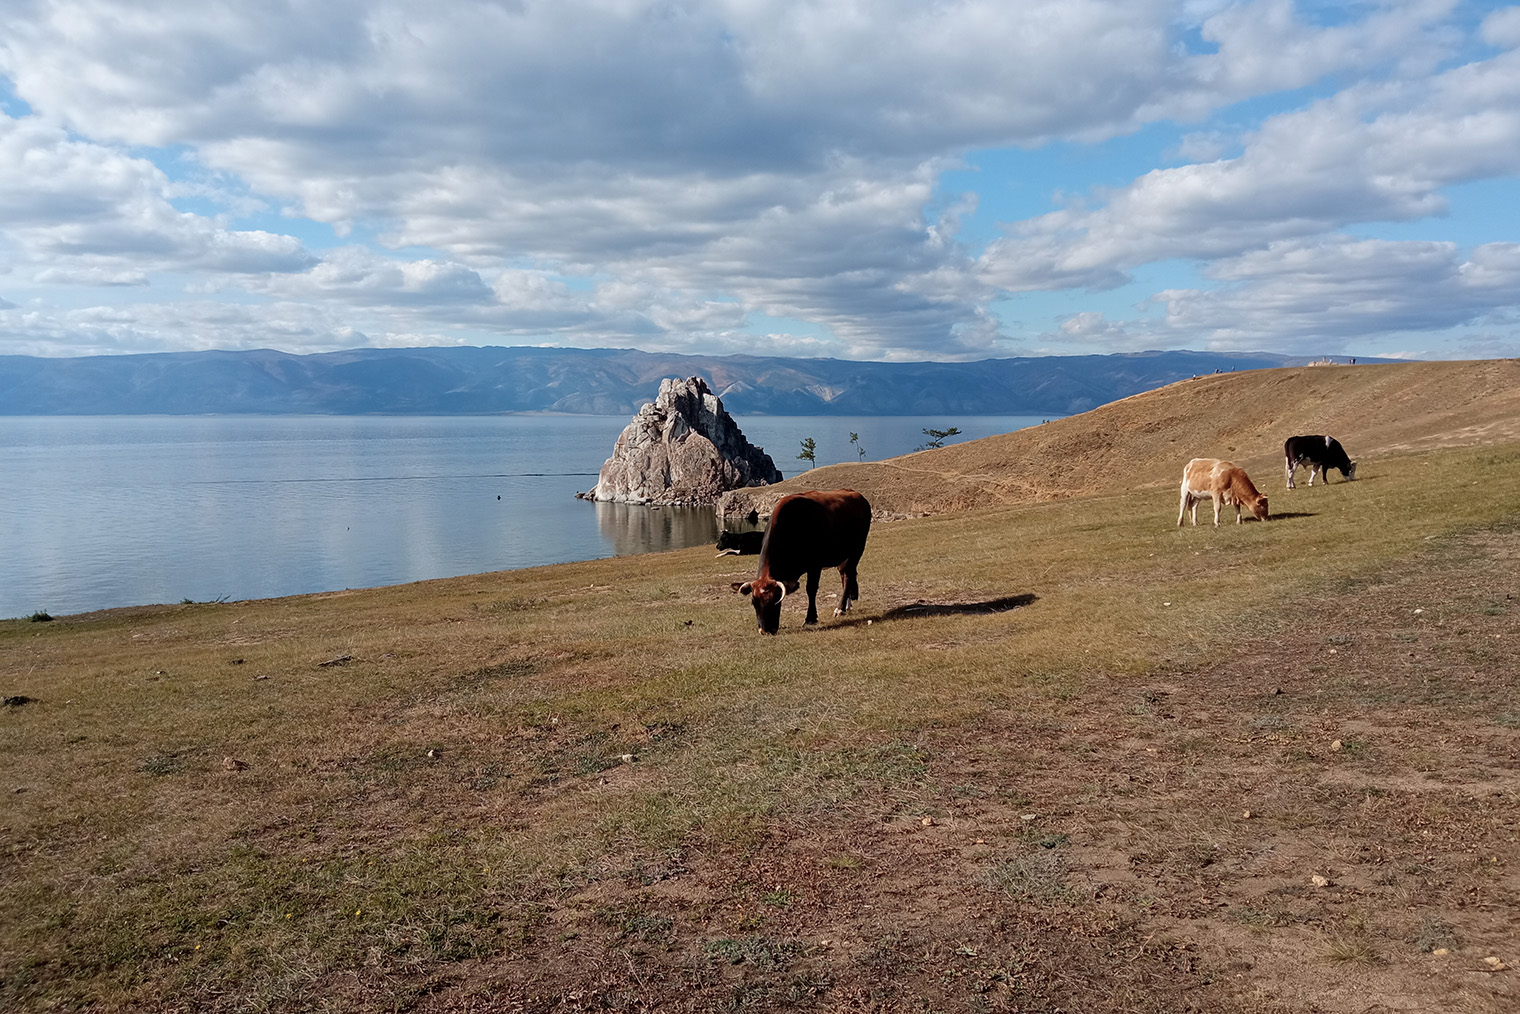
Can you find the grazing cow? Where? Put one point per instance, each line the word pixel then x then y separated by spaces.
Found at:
pixel 1223 481
pixel 1319 453
pixel 808 532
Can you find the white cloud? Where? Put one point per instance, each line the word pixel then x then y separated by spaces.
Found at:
pixel 669 172
pixel 1305 294
pixel 1502 28
pixel 1268 46
pixel 1369 153
pixel 78 211
pixel 190 325
pixel 359 276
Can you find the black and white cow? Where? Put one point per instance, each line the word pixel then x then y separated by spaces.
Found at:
pixel 1319 453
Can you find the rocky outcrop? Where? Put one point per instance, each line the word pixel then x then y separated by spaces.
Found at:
pixel 682 449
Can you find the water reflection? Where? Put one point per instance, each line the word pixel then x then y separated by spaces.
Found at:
pixel 632 528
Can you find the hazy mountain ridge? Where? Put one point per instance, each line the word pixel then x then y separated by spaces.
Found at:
pixel 492 380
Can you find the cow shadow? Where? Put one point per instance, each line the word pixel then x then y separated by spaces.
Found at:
pixel 1292 515
pixel 986 608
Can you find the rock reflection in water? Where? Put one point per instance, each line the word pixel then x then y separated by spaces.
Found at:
pixel 633 528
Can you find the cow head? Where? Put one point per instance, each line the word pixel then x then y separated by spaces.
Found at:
pixel 765 594
pixel 1351 471
pixel 1259 508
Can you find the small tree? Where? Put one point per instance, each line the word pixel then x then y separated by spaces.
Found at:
pixel 855 439
pixel 809 451
pixel 937 438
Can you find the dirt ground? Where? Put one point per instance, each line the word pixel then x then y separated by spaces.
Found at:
pixel 1326 818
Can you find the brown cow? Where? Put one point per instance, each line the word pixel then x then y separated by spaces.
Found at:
pixel 1225 483
pixel 808 532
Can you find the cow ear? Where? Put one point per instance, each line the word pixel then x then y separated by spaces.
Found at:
pixel 791 586
pixel 743 589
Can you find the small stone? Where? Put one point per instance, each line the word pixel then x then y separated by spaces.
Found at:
pixel 1319 881
pixel 433 753
pixel 1441 952
pixel 1337 746
pixel 628 758
pixel 1029 816
pixel 1248 814
pixel 233 764
pixel 1495 963
pixel 927 822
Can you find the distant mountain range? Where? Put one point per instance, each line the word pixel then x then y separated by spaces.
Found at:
pixel 488 381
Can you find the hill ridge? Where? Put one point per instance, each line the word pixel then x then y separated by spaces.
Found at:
pixel 1142 441
pixel 470 380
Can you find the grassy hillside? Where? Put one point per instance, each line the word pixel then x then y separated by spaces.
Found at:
pixel 1065 755
pixel 1143 441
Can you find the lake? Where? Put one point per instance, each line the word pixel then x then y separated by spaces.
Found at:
pixel 103 511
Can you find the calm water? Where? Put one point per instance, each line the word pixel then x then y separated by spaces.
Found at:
pixel 104 511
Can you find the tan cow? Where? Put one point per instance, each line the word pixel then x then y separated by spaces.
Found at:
pixel 1226 483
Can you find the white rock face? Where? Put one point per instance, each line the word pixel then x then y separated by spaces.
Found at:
pixel 682 449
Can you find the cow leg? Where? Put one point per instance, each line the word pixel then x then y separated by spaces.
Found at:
pixel 1292 467
pixel 1218 503
pixel 1316 468
pixel 851 590
pixel 1187 502
pixel 812 590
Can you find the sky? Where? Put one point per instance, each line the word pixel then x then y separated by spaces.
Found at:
pixel 889 180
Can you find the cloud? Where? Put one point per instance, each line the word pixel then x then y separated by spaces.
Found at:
pixel 1269 46
pixel 1369 153
pixel 358 276
pixel 781 153
pixel 77 211
pixel 671 172
pixel 724 86
pixel 1304 295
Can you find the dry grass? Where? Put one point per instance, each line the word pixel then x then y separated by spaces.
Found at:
pixel 1016 777
pixel 1143 441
